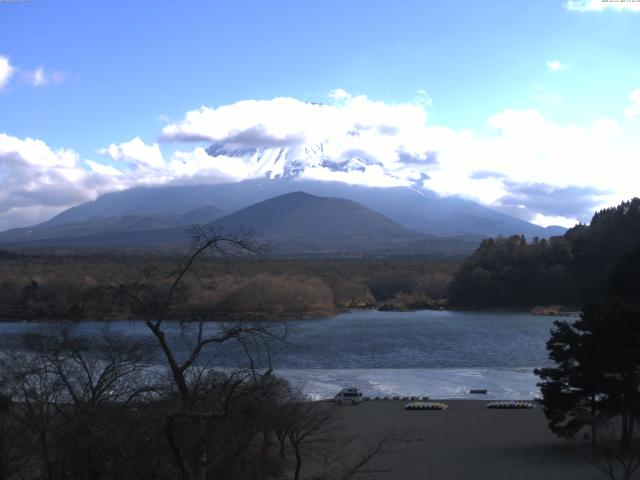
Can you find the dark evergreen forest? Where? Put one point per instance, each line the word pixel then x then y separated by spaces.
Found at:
pixel 569 270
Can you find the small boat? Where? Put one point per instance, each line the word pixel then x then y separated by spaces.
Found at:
pixel 426 406
pixel 511 404
pixel 482 391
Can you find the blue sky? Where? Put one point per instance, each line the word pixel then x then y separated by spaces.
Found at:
pixel 86 75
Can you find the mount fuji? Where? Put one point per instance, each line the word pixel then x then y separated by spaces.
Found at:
pixel 293 161
pixel 279 170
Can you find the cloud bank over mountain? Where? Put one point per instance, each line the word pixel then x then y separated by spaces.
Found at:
pixel 524 164
pixel 38 182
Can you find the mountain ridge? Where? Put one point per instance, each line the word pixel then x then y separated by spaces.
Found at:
pixel 417 209
pixel 292 224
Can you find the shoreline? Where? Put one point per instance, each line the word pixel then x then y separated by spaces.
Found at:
pixel 304 316
pixel 437 383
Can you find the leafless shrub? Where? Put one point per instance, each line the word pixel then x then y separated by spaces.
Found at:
pixel 614 459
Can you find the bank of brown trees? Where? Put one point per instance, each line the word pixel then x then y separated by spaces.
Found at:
pixel 68 287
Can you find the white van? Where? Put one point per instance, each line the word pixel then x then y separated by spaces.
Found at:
pixel 348 396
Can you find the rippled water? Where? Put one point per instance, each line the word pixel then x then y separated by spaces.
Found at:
pixel 438 353
pixel 423 339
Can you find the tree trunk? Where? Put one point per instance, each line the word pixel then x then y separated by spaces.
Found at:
pixel 176 371
pixel 170 434
pixel 625 440
pixel 43 440
pixel 296 475
pixel 266 442
pixel 2 466
pixel 202 458
pixel 594 426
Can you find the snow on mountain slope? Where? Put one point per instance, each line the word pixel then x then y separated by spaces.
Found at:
pixel 321 161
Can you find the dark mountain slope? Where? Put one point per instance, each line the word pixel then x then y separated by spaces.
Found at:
pixel 109 226
pixel 417 209
pixel 300 223
pixel 300 214
pixel 293 224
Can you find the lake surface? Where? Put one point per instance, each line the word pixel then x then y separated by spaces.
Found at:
pixel 442 354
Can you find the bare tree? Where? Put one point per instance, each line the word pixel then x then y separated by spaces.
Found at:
pixel 107 369
pixel 202 396
pixel 614 459
pixel 10 434
pixel 72 397
pixel 308 424
pixel 98 408
pixel 38 396
pixel 349 457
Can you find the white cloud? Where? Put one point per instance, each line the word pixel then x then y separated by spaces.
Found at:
pixel 38 181
pixel 339 94
pixel 143 164
pixel 136 153
pixel 527 165
pixel 541 95
pixel 37 77
pixel 106 170
pixel 40 77
pixel 633 110
pixel 548 220
pixel 556 66
pixel 198 165
pixel 601 5
pixel 390 144
pixel 6 71
pixel 538 158
pixel 287 121
pixel 355 130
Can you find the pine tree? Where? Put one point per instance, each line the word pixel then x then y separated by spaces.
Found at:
pixel 597 372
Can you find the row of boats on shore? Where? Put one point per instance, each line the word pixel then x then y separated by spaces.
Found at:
pixel 353 396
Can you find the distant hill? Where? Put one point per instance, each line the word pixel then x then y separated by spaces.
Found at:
pixel 300 222
pixel 571 269
pixel 296 223
pixel 415 208
pixel 301 215
pixel 111 226
pixel 4 255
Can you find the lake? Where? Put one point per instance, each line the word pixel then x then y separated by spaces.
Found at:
pixel 442 354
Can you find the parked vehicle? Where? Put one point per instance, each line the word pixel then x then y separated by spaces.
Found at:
pixel 348 396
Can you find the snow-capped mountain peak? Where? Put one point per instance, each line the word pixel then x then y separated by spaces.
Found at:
pixel 275 162
pixel 318 160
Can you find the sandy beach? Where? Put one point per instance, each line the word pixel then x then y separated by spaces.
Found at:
pixel 467 441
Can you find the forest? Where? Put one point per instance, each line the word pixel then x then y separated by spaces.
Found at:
pixel 504 272
pixel 76 287
pixel 569 270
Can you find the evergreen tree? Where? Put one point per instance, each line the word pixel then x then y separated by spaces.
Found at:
pixel 569 270
pixel 572 392
pixel 597 372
